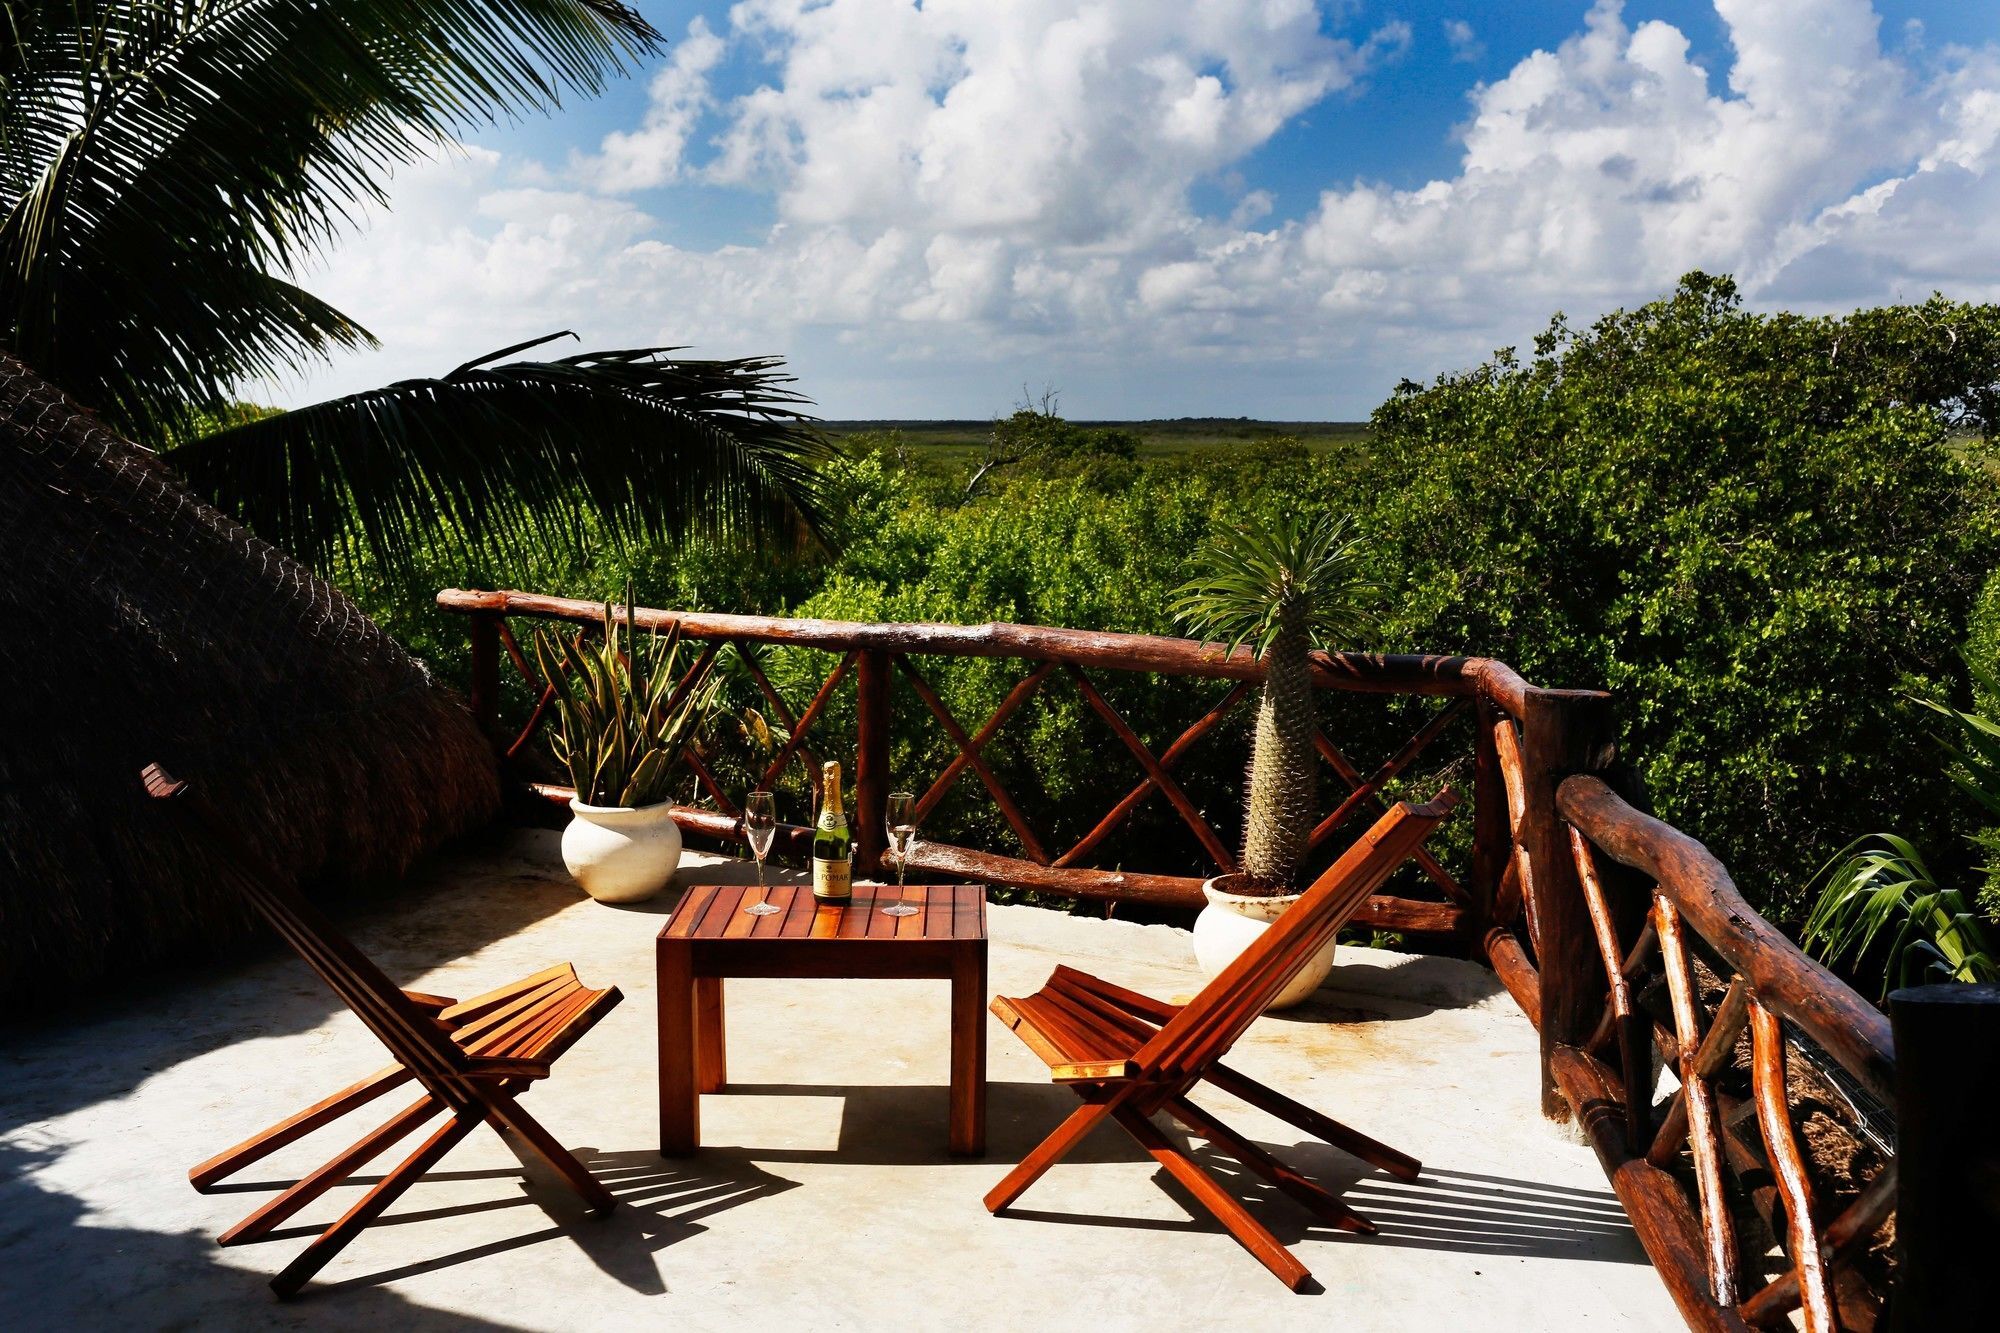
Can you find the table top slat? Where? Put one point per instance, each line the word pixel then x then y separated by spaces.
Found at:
pixel 945 912
pixel 797 919
pixel 881 927
pixel 715 914
pixel 939 902
pixel 912 927
pixel 739 923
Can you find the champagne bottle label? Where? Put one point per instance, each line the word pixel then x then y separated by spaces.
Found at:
pixel 832 880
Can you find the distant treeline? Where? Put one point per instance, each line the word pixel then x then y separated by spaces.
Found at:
pixel 1166 436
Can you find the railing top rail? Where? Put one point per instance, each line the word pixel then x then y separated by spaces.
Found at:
pixel 1825 1008
pixel 1380 673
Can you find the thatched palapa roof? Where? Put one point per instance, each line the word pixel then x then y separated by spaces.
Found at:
pixel 138 624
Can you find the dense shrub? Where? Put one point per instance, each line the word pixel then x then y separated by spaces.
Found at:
pixel 1982 646
pixel 1054 549
pixel 1052 544
pixel 1030 433
pixel 1760 532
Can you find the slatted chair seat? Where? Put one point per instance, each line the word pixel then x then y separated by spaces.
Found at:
pixel 472 1058
pixel 1084 1029
pixel 1129 1057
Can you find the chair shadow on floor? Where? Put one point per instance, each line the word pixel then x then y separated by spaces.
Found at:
pixel 1462 1212
pixel 659 1202
pixel 1443 1209
pixel 1474 1213
pixel 662 1201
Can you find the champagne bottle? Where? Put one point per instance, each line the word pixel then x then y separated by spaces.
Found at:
pixel 833 877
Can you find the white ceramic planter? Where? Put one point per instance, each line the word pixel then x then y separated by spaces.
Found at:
pixel 620 854
pixel 1231 921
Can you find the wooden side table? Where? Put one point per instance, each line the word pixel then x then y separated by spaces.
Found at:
pixel 709 937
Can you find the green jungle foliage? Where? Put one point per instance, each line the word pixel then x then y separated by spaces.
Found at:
pixel 1764 533
pixel 1883 913
pixel 1761 532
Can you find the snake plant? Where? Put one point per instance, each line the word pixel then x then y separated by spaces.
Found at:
pixel 624 719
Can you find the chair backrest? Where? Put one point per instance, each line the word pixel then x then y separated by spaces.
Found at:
pixel 410 1033
pixel 1208 1025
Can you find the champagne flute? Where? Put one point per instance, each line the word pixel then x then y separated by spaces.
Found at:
pixel 900 818
pixel 760 826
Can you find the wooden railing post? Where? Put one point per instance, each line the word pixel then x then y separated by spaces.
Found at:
pixel 1562 732
pixel 1492 831
pixel 484 688
pixel 871 762
pixel 1947 1042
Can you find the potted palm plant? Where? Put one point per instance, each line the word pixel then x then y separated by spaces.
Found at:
pixel 622 728
pixel 1279 589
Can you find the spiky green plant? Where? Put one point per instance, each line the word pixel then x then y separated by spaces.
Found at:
pixel 1280 589
pixel 1976 747
pixel 623 720
pixel 1878 889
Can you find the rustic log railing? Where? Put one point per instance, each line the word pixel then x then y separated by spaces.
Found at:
pixel 1583 905
pixel 872 656
pixel 1654 898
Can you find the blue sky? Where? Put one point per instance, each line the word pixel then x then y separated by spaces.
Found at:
pixel 1398 127
pixel 1267 208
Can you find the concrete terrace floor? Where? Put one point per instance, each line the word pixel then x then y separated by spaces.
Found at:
pixel 825 1198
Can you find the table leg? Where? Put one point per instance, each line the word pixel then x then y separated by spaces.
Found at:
pixel 680 1096
pixel 713 1065
pixel 968 1048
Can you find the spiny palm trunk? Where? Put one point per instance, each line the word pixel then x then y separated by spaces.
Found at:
pixel 1284 787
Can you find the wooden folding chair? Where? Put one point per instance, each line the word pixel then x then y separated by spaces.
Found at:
pixel 471 1057
pixel 1128 1056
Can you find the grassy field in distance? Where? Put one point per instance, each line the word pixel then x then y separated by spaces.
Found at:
pixel 953 439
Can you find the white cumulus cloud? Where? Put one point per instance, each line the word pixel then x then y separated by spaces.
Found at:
pixel 1463 40
pixel 971 194
pixel 651 155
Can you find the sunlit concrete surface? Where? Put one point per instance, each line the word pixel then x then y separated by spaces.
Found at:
pixel 825 1198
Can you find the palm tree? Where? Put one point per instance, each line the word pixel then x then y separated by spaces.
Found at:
pixel 497 457
pixel 169 164
pixel 1278 589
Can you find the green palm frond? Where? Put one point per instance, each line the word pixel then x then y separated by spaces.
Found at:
pixel 1976 744
pixel 1877 890
pixel 167 165
pixel 495 457
pixel 1251 577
